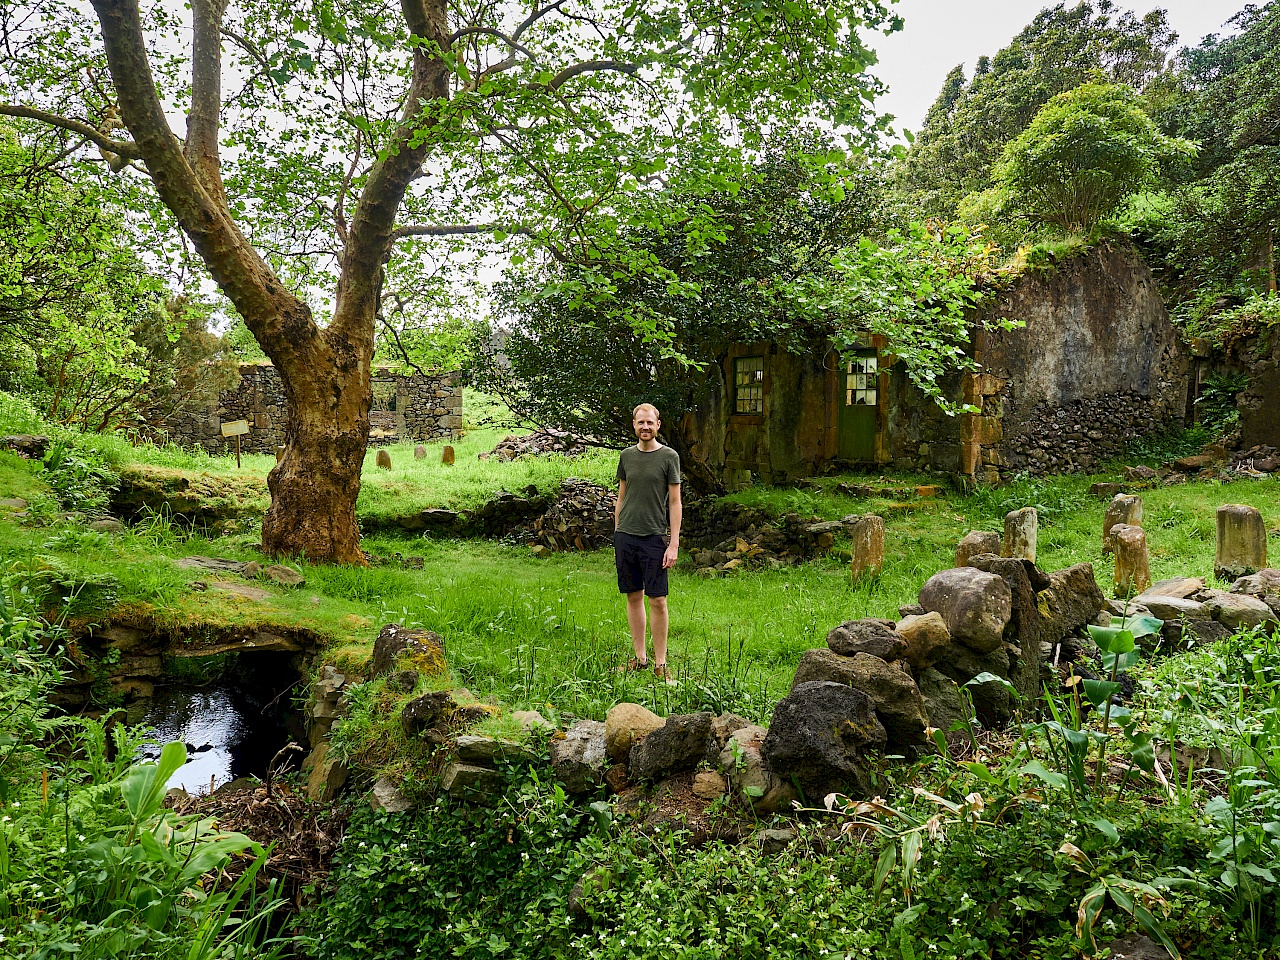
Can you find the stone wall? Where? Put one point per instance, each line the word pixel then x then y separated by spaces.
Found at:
pixel 1259 403
pixel 1095 365
pixel 413 408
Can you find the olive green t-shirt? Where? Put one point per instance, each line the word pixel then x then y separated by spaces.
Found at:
pixel 645 506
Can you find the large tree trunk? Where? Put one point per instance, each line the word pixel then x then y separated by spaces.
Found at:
pixel 315 486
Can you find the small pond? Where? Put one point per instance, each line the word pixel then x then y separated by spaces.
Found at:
pixel 233 725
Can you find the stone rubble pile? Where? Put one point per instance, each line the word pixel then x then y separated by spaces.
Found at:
pixel 777 544
pixel 544 441
pixel 580 518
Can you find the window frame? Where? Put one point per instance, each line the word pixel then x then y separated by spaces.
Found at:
pixel 757 387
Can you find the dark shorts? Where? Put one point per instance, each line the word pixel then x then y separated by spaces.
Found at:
pixel 639 562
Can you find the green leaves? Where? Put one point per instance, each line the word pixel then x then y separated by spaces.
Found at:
pixel 1083 154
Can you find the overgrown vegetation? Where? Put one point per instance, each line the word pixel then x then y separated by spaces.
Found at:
pixel 91 862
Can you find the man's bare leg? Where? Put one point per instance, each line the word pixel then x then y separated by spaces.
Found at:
pixel 658 620
pixel 635 620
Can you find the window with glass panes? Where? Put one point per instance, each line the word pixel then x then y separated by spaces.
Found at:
pixel 748 385
pixel 860 381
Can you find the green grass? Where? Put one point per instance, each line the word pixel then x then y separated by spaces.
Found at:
pixel 532 632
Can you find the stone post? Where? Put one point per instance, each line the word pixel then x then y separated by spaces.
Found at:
pixel 976 542
pixel 1020 534
pixel 868 547
pixel 419 452
pixel 1242 542
pixel 279 453
pixel 1133 562
pixel 1122 509
pixel 447 456
pixel 384 460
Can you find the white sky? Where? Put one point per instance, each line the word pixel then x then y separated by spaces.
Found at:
pixel 941 33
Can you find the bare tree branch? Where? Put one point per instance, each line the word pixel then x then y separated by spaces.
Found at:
pixel 590 66
pixel 456 230
pixel 118 147
pixel 203 121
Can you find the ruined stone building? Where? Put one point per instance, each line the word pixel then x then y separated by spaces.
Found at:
pixel 1095 365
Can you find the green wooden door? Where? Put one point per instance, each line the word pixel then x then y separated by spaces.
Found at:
pixel 856 432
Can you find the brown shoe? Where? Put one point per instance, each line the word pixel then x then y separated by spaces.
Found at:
pixel 634 665
pixel 660 671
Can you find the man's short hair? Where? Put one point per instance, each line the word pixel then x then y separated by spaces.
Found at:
pixel 645 406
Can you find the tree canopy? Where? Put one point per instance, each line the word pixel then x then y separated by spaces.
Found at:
pixel 326 147
pixel 1084 153
pixel 1062 48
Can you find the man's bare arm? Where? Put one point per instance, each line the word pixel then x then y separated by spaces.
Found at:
pixel 617 503
pixel 676 509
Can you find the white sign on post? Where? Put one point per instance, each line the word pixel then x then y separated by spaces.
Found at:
pixel 236 428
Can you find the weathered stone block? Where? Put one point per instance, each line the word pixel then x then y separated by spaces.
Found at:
pixel 975 605
pixel 976 542
pixel 1020 528
pixel 1242 542
pixel 868 547
pixel 1123 509
pixel 1133 560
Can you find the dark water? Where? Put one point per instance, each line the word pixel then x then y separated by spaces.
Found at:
pixel 232 727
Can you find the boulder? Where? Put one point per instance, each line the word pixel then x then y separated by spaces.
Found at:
pixel 106 525
pixel 866 636
pixel 1179 587
pixel 773 841
pixel 387 797
pixel 490 750
pixel 26 445
pixel 709 785
pixel 1133 559
pixel 821 734
pixel 469 781
pixel 1265 585
pixel 911 610
pixel 868 547
pixel 427 711
pixel 679 744
pixel 924 637
pixel 993 705
pixel 1105 491
pixel 423 648
pixel 1175 608
pixel 1020 531
pixel 419 452
pixel 941 698
pixel 897 702
pixel 1071 600
pixel 749 779
pixel 624 725
pixel 284 576
pixel 975 605
pixel 725 725
pixel 1139 473
pixel 531 720
pixel 1242 542
pixel 326 775
pixel 824 664
pixel 975 542
pixel 1239 611
pixel 579 759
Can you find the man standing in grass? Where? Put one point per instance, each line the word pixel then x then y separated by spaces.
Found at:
pixel 648 503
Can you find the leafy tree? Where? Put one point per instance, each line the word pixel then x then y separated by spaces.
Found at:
pixel 1219 226
pixel 579 366
pixel 1062 48
pixel 1085 152
pixel 83 321
pixel 355 126
pixel 921 289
